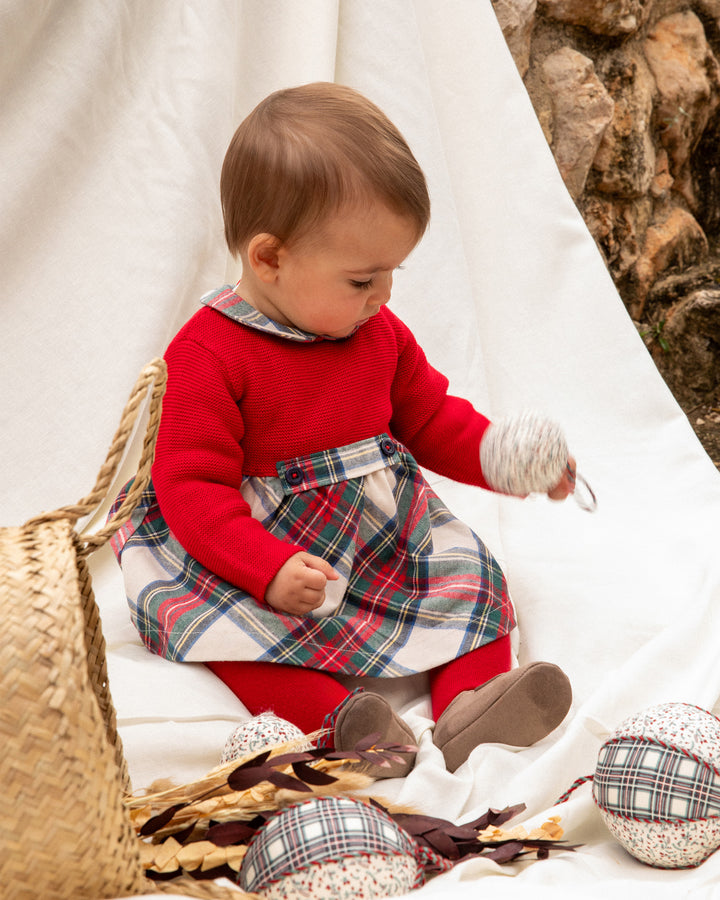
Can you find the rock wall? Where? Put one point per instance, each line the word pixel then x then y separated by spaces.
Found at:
pixel 628 95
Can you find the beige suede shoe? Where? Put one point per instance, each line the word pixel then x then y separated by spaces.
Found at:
pixel 518 707
pixel 367 713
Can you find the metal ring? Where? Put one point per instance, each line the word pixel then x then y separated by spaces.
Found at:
pixel 589 502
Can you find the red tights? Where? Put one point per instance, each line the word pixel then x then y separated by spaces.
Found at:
pixel 306 696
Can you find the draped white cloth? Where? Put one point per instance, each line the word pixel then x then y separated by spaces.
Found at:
pixel 114 118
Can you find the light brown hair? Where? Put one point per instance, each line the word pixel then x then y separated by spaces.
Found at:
pixel 303 153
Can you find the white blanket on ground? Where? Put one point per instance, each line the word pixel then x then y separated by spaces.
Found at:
pixel 114 118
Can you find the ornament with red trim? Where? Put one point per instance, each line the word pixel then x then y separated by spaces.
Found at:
pixel 657 785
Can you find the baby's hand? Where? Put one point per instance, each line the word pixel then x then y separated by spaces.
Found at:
pixel 566 485
pixel 299 586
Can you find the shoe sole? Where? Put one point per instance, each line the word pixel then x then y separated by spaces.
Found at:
pixel 518 716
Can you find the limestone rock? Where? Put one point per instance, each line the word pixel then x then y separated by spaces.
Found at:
pixel 581 109
pixel 516 19
pixel 710 8
pixel 688 81
pixel 625 163
pixel 705 167
pixel 673 239
pixel 628 96
pixel 691 362
pixel 608 17
pixel 618 227
pixel 663 180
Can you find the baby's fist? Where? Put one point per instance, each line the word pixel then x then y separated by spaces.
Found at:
pixel 299 585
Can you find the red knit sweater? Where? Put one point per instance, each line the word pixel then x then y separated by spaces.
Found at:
pixel 239 400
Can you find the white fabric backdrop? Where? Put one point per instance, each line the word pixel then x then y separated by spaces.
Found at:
pixel 114 118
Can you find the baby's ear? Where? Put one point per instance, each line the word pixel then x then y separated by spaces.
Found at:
pixel 262 256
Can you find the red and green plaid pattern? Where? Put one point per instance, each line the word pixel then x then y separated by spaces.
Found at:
pixel 417 587
pixel 641 779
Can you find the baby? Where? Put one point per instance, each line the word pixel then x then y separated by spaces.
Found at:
pixel 289 537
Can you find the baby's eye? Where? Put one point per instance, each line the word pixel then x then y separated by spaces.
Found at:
pixel 362 285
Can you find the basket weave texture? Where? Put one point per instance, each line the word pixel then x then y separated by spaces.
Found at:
pixel 65 831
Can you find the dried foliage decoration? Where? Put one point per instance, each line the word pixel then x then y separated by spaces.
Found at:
pixel 203 828
pixel 484 836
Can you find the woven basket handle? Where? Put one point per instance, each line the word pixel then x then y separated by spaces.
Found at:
pixel 152 380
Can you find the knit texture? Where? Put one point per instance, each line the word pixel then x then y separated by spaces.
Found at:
pixel 240 400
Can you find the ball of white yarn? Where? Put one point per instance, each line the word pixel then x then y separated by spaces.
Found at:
pixel 523 454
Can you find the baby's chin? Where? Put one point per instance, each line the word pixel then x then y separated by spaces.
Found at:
pixel 343 333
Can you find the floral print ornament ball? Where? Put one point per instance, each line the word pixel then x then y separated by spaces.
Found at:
pixel 259 733
pixel 657 785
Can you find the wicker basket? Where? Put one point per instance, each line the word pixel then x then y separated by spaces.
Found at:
pixel 64 829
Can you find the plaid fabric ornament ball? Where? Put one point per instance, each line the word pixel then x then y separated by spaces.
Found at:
pixel 657 785
pixel 333 848
pixel 259 733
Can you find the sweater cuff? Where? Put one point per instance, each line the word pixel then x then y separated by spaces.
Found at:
pixel 257 577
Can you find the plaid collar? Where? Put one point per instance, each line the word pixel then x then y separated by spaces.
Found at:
pixel 230 304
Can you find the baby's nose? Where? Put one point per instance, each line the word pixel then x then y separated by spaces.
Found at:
pixel 384 289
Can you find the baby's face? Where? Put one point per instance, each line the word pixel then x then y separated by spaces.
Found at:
pixel 340 276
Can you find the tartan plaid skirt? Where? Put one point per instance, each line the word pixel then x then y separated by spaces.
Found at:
pixel 417 587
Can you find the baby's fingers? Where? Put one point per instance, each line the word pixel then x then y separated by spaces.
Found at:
pixel 299 586
pixel 566 485
pixel 319 565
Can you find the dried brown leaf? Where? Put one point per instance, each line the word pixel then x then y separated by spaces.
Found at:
pixel 228 833
pixel 155 823
pixel 310 775
pixel 288 783
pixel 506 852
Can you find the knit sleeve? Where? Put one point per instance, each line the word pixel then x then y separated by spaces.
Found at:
pixel 198 472
pixel 443 432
